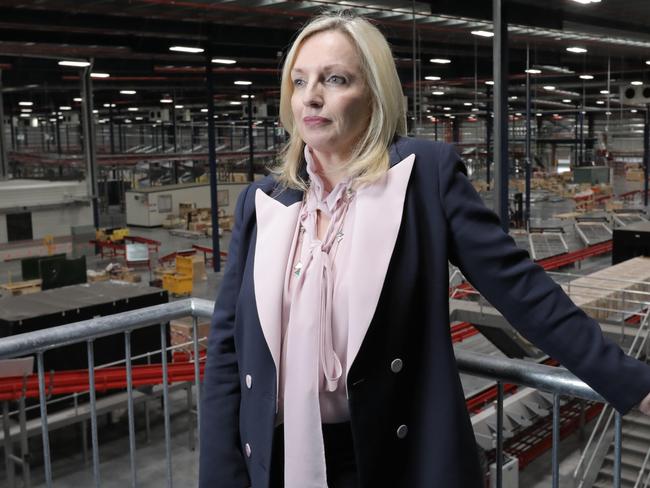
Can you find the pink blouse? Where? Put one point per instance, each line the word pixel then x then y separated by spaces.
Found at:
pixel 313 360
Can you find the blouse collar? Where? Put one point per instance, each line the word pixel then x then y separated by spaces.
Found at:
pixel 323 199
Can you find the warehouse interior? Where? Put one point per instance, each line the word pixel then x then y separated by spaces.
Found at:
pixel 129 129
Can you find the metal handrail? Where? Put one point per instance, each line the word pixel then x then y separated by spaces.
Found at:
pixel 558 381
pixel 582 470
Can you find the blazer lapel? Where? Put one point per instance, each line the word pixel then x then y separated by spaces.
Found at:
pixel 378 216
pixel 276 223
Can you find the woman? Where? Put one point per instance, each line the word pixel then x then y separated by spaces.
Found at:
pixel 330 361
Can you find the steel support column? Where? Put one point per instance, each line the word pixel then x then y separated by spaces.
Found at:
pixel 212 162
pixel 529 157
pixel 88 128
pixel 500 69
pixel 646 154
pixel 489 127
pixel 251 148
pixel 4 162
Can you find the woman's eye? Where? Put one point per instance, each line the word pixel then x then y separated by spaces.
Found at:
pixel 298 82
pixel 336 79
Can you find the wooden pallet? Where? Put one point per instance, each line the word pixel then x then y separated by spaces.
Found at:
pixel 22 287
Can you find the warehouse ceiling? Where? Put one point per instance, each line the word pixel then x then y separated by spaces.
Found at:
pixel 130 40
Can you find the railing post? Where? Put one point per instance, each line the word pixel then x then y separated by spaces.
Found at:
pixel 499 434
pixel 47 465
pixel 617 449
pixel 555 463
pixel 93 411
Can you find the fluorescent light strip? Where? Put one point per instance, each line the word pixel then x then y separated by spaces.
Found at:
pixel 223 61
pixel 74 64
pixel 482 33
pixel 186 49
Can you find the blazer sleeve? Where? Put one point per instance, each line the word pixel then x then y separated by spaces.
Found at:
pixel 528 298
pixel 221 462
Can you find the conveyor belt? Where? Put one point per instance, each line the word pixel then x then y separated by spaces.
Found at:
pixel 625 219
pixel 593 232
pixel 547 244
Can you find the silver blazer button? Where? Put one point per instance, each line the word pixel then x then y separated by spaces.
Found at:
pixel 402 430
pixel 247 448
pixel 397 365
pixel 249 381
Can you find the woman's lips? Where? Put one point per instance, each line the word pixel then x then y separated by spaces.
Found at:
pixel 313 121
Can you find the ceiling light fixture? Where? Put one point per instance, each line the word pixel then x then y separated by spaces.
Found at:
pixel 223 61
pixel 432 78
pixel 204 110
pixel 446 108
pixel 586 77
pixel 179 107
pixel 604 92
pixel 26 110
pixel 576 50
pixel 243 83
pixel 186 49
pixel 25 104
pixel 100 75
pixel 566 100
pixel 438 93
pixel 65 107
pixel 235 103
pixel 440 60
pixel 634 111
pixel 77 99
pixel 74 64
pixel 636 83
pixel 533 71
pixel 132 109
pixel 489 82
pixel 482 33
pixel 128 92
pixel 549 88
pixel 600 102
pixel 166 100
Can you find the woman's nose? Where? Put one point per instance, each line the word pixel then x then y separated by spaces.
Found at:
pixel 313 96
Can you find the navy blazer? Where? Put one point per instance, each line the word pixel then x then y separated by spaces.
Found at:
pixel 443 220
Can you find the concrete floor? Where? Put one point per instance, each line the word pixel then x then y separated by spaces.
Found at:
pixel 71 471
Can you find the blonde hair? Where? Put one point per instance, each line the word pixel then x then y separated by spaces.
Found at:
pixel 369 158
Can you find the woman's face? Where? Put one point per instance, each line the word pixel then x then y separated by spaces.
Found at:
pixel 330 101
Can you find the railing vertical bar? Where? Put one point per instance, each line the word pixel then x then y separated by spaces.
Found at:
pixel 24 445
pixel 197 374
pixel 93 411
pixel 499 434
pixel 47 464
pixel 129 389
pixel 6 427
pixel 168 447
pixel 555 463
pixel 618 427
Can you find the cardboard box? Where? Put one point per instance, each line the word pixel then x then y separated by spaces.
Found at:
pixel 181 332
